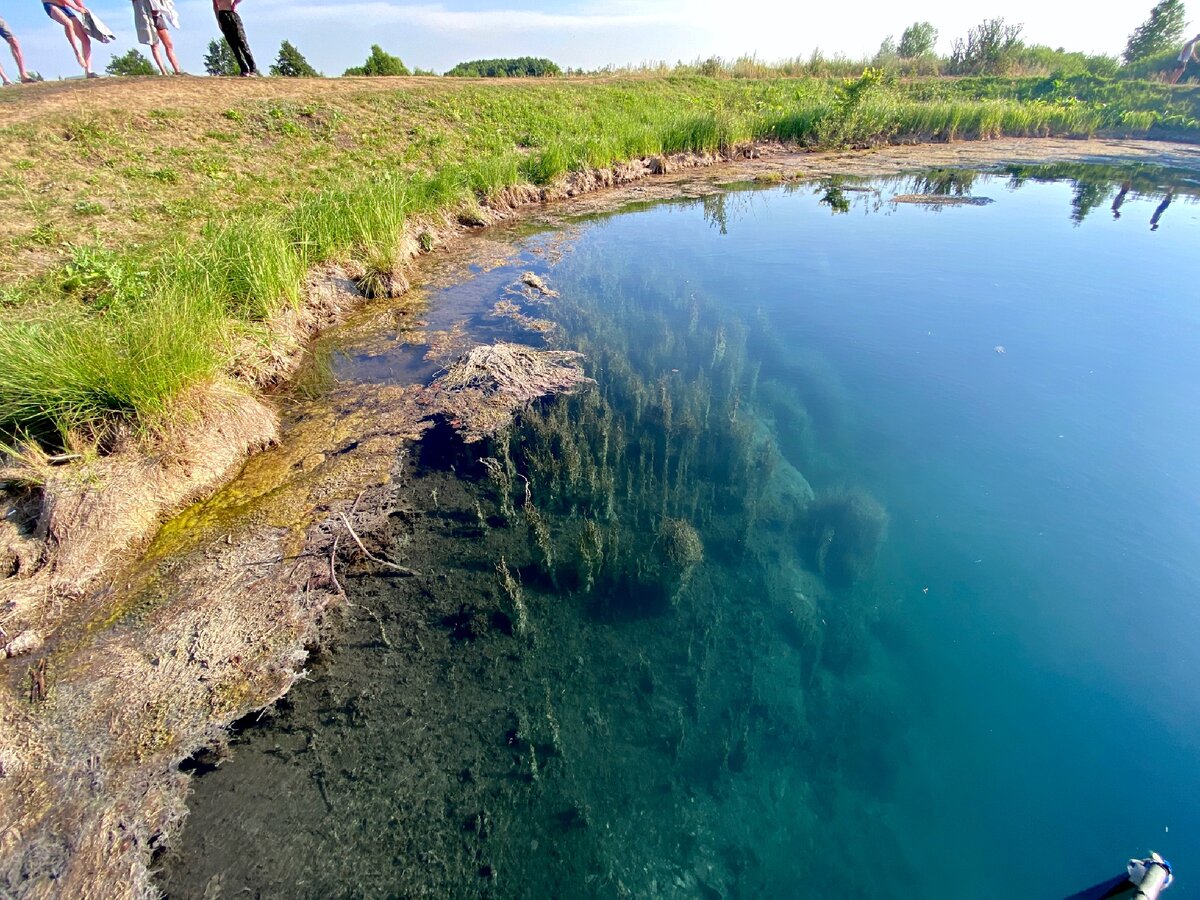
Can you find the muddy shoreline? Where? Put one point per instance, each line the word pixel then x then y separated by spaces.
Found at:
pixel 150 655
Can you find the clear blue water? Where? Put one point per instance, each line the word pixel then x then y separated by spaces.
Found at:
pixel 1045 501
pixel 1017 386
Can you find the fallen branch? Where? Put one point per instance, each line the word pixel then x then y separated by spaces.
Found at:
pixel 371 556
pixel 333 567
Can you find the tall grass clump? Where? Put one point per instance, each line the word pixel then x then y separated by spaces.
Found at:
pixel 64 370
pixel 705 133
pixel 248 266
pixel 346 220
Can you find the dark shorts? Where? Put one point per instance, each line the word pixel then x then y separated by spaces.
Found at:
pixel 5 34
pixel 65 10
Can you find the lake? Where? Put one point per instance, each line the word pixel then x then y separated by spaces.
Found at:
pixel 869 563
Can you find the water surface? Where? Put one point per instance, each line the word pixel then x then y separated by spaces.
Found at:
pixel 1002 686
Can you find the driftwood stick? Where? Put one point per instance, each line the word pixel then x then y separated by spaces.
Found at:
pixel 333 566
pixel 371 556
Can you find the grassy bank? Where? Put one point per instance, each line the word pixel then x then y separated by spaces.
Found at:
pixel 147 230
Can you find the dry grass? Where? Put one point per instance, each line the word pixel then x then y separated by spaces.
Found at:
pixel 484 388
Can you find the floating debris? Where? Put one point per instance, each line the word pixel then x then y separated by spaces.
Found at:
pixel 506 309
pixel 490 383
pixel 534 281
pixel 941 200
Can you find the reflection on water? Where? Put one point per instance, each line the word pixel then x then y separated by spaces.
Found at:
pixel 812 583
pixel 1092 185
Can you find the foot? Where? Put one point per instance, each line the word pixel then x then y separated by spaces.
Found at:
pixel 92 75
pixel 28 79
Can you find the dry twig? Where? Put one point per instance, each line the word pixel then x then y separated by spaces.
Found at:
pixel 371 556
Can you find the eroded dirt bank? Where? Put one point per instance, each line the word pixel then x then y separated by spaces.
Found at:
pixel 148 656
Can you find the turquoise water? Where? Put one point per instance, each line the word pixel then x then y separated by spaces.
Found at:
pixel 1002 700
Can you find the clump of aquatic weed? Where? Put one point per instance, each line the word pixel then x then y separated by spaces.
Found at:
pixel 382 276
pixel 845 529
pixel 677 551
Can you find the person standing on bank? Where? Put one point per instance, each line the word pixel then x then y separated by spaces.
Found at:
pixel 7 35
pixel 152 18
pixel 67 13
pixel 235 34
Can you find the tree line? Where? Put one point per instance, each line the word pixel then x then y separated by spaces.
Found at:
pixel 996 47
pixel 291 63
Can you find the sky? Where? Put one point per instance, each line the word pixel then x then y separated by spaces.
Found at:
pixel 335 34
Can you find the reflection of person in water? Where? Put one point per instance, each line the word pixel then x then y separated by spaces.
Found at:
pixel 1162 208
pixel 1120 199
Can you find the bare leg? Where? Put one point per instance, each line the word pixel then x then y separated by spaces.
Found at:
pixel 66 22
pixel 20 59
pixel 86 43
pixel 158 60
pixel 3 76
pixel 165 37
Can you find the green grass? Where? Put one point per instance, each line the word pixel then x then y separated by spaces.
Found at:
pixel 121 291
pixel 62 369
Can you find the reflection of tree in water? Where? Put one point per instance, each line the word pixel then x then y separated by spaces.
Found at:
pixel 1087 196
pixel 835 198
pixel 715 213
pixel 838 192
pixel 1093 184
pixel 944 182
pixel 725 208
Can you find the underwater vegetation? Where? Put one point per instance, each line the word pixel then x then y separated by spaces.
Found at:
pixel 681 452
pixel 847 528
pixel 633 673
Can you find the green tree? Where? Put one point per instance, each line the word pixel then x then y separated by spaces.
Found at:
pixel 989 48
pixel 219 59
pixel 292 64
pixel 379 64
pixel 131 63
pixel 1162 31
pixel 918 40
pixel 887 51
pixel 519 67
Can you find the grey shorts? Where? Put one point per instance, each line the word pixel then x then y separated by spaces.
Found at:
pixel 5 34
pixel 147 21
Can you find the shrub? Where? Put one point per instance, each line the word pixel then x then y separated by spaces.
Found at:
pixel 1162 31
pixel 219 59
pixel 131 63
pixel 918 40
pixel 1154 67
pixel 380 64
pixel 988 49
